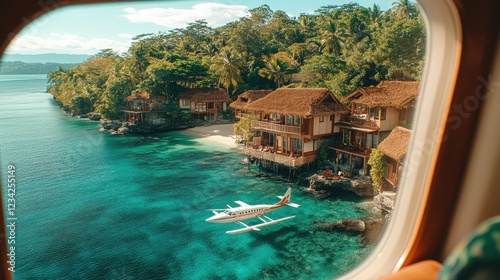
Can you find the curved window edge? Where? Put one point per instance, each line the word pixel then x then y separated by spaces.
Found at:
pixel 443 50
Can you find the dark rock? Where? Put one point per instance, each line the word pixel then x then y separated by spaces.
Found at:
pixel 94 116
pixel 361 187
pixel 348 225
pixel 374 228
pixel 110 125
pixel 383 203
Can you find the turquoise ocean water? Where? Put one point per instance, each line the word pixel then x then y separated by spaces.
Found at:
pixel 94 206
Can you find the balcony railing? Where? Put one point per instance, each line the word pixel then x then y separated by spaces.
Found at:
pixel 276 127
pixel 359 122
pixel 281 159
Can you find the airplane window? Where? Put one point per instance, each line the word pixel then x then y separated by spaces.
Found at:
pixel 145 98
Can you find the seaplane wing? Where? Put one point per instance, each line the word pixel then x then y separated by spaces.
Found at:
pixel 241 203
pixel 246 211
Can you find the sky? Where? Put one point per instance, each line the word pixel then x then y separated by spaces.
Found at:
pixel 91 28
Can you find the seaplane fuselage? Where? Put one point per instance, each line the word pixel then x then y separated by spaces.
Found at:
pixel 241 213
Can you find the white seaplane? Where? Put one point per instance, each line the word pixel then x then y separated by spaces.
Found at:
pixel 246 211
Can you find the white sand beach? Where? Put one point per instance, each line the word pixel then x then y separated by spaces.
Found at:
pixel 220 133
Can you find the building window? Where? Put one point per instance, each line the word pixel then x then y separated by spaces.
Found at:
pixel 383 113
pixel 296 145
pixel 296 121
pixel 289 120
pixel 376 113
pixel 321 118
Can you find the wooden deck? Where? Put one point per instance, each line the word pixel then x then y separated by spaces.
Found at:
pixel 293 161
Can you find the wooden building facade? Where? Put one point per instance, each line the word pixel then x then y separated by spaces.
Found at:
pixel 395 147
pixel 204 104
pixel 245 99
pixel 374 112
pixel 292 124
pixel 144 108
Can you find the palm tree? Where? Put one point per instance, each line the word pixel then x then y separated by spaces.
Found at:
pixel 227 66
pixel 333 38
pixel 403 9
pixel 375 15
pixel 276 69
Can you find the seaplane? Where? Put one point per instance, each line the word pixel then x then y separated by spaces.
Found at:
pixel 245 211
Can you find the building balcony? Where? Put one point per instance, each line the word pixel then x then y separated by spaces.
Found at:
pixel 360 122
pixel 275 127
pixel 288 160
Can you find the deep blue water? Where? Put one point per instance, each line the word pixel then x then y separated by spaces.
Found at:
pixel 94 206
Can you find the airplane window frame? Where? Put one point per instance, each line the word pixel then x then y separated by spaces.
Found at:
pixel 443 49
pixel 443 74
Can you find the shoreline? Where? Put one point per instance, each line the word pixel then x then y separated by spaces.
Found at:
pixel 219 133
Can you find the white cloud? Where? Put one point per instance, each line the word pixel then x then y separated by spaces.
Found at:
pixel 126 36
pixel 215 14
pixel 65 44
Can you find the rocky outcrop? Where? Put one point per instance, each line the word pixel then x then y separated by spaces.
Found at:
pixel 359 186
pixel 383 204
pixel 374 228
pixel 370 228
pixel 94 116
pixel 110 125
pixel 348 225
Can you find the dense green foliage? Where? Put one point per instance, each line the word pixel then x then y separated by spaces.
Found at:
pixel 339 47
pixel 378 169
pixel 243 130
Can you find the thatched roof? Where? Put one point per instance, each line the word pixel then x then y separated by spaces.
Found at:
pixel 396 144
pixel 143 96
pixel 395 94
pixel 304 102
pixel 199 95
pixel 248 97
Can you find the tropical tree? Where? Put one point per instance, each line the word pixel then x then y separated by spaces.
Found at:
pixel 378 169
pixel 403 9
pixel 276 68
pixel 227 67
pixel 243 129
pixel 333 38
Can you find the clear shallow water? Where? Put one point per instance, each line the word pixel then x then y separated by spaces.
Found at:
pixel 93 206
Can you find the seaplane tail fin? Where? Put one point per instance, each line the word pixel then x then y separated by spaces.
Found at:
pixel 285 200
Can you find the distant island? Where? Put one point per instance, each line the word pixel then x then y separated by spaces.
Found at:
pixel 39 63
pixel 46 58
pixel 18 67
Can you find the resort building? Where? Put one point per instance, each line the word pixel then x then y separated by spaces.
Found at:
pixel 203 104
pixel 246 98
pixel 292 124
pixel 144 108
pixel 395 147
pixel 375 111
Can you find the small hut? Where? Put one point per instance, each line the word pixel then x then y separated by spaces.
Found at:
pixel 395 147
pixel 204 103
pixel 144 108
pixel 246 98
